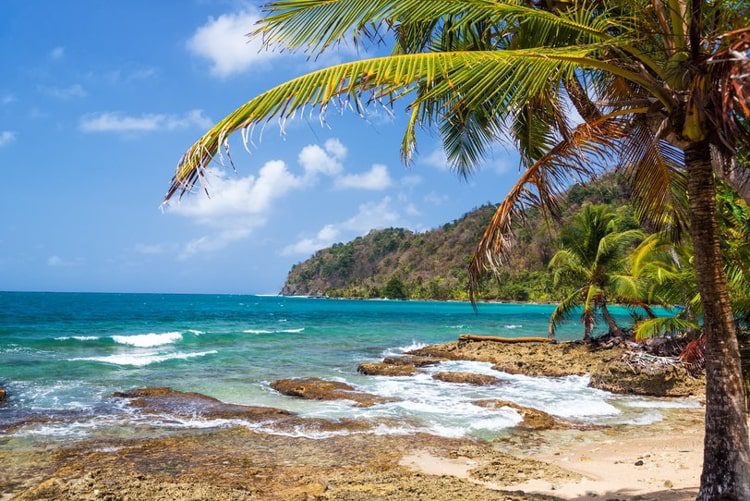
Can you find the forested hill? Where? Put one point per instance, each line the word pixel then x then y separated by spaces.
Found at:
pixel 398 263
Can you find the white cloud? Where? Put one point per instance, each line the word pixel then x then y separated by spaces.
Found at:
pixel 57 53
pixel 316 160
pixel 224 43
pixel 369 216
pixel 118 122
pixel 239 196
pixel 377 178
pixel 58 262
pixel 73 91
pixel 336 148
pixel 436 159
pixel 237 205
pixel 7 137
pixel 7 99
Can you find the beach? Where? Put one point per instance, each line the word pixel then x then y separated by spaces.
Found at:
pixel 200 397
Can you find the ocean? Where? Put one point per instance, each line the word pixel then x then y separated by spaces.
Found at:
pixel 64 354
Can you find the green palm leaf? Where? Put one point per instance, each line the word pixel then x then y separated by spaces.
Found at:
pixel 471 79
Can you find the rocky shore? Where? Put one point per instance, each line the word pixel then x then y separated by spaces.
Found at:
pixel 543 457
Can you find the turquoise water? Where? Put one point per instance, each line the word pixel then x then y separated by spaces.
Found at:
pixel 68 352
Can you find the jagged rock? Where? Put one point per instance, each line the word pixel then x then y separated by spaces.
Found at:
pixel 466 377
pixel 410 360
pixel 319 389
pixel 619 377
pixel 382 369
pixel 533 419
pixel 165 399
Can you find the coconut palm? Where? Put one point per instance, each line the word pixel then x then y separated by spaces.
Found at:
pixel 661 85
pixel 593 259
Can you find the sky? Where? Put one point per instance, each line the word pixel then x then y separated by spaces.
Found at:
pixel 98 101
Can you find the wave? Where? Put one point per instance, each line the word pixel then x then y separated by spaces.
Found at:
pixel 77 338
pixel 142 359
pixel 274 331
pixel 513 326
pixel 196 332
pixel 149 340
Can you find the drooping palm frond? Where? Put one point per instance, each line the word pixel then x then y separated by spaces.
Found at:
pixel 656 173
pixel 582 155
pixel 503 78
pixel 564 309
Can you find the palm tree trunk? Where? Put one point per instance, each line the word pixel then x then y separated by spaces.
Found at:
pixel 613 327
pixel 726 451
pixel 588 325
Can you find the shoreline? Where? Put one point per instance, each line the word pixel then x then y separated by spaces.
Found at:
pixel 235 462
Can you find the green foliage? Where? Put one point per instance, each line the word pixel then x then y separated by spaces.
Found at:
pixel 395 289
pixel 433 264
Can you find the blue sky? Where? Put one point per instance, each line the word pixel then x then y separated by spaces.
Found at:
pixel 98 100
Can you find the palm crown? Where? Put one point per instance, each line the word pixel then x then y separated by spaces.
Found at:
pixel 594 259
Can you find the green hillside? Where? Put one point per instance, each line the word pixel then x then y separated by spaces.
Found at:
pixel 397 263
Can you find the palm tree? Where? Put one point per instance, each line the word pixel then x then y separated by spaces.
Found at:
pixel 593 260
pixel 661 85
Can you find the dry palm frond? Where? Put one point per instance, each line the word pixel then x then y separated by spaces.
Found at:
pixel 657 176
pixel 586 152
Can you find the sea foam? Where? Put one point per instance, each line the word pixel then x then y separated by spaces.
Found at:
pixel 274 331
pixel 149 340
pixel 142 359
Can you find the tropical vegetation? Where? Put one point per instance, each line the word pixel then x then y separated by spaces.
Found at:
pixel 662 87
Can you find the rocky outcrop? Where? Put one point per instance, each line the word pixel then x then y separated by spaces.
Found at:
pixel 188 404
pixel 656 381
pixel 383 369
pixel 411 360
pixel 466 378
pixel 320 389
pixel 533 419
pixel 3 394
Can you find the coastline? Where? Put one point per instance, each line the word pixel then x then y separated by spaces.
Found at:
pixel 355 461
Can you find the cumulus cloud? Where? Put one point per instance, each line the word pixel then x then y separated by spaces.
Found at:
pixel 64 93
pixel 224 43
pixel 119 122
pixel 238 205
pixel 316 160
pixel 7 137
pixel 377 178
pixel 369 216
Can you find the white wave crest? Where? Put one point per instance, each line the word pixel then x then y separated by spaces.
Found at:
pixel 513 326
pixel 77 338
pixel 142 359
pixel 149 340
pixel 273 331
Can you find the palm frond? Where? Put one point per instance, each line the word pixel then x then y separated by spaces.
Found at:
pixel 503 78
pixel 582 155
pixel 318 24
pixel 652 327
pixel 564 309
pixel 657 176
